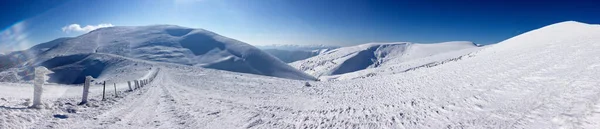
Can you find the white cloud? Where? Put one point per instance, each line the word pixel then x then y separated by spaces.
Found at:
pixel 88 28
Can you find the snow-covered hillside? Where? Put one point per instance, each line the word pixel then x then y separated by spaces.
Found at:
pixel 296 47
pixel 291 53
pixel 289 56
pixel 374 55
pixel 167 43
pixel 545 78
pixel 15 58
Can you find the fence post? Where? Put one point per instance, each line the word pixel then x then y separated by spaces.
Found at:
pixel 129 84
pixel 115 84
pixel 86 89
pixel 103 91
pixel 38 83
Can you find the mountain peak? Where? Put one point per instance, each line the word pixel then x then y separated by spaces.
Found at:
pixel 173 44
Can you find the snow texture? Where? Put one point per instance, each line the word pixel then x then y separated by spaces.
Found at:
pixel 545 78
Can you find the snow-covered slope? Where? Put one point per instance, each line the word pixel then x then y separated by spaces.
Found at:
pixel 291 53
pixel 546 78
pixel 289 56
pixel 373 55
pixel 296 47
pixel 15 58
pixel 174 44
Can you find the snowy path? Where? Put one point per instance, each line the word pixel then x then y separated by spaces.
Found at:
pixel 202 98
pixel 145 108
pixel 541 87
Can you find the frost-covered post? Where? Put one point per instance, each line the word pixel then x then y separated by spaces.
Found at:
pixel 86 89
pixel 129 84
pixel 38 83
pixel 115 84
pixel 103 90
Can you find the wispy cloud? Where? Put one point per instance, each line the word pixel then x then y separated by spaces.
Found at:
pixel 77 28
pixel 14 38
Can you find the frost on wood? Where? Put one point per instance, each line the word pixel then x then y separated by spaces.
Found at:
pixel 38 82
pixel 86 88
pixel 129 84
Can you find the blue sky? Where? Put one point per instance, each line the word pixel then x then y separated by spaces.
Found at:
pixel 331 22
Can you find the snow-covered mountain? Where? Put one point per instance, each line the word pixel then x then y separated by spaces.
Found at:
pixel 290 53
pixel 15 58
pixel 545 78
pixel 163 43
pixel 296 47
pixel 374 55
pixel 289 56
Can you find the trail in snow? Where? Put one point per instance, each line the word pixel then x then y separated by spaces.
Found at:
pixel 542 79
pixel 201 98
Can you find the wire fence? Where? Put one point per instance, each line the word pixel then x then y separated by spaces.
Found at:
pixel 132 85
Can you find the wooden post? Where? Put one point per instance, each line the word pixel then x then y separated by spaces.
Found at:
pixel 104 91
pixel 116 90
pixel 86 89
pixel 129 84
pixel 38 83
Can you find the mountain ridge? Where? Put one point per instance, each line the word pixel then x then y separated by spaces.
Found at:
pixel 172 44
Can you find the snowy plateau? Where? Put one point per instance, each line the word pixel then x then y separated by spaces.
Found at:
pixel 544 78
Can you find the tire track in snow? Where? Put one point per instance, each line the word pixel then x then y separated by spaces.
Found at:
pixel 147 107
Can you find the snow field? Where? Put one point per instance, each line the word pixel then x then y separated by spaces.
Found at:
pixel 546 78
